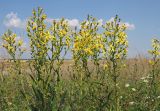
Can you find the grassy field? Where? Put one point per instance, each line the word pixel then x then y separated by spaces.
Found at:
pixel 79 95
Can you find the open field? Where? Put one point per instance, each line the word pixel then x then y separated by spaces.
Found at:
pixel 140 64
pixel 132 86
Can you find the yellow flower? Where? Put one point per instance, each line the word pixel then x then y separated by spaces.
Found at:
pixel 156 48
pixel 151 62
pixel 48 36
pixel 88 51
pixel 105 66
pixel 44 16
pixel 124 26
pixel 38 45
pixel 34 27
pixel 20 42
pixel 117 56
pixel 68 41
pixel 125 51
pixel 53 38
pixel 122 34
pixel 126 43
pixel 75 45
pixel 62 33
pixel 107 33
pixel 111 48
pixel 11 49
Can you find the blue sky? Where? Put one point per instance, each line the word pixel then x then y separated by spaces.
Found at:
pixel 142 16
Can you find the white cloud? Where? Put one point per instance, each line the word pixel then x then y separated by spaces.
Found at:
pixel 111 19
pixel 18 38
pixel 128 25
pixel 49 20
pixel 76 23
pixel 13 21
pixel 72 22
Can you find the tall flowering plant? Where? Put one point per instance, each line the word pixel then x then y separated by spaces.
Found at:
pixel 87 44
pixel 116 45
pixel 154 73
pixel 14 47
pixel 60 42
pixel 43 89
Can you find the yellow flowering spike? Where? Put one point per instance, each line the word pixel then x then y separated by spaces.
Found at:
pixel 115 39
pixel 156 48
pixel 11 45
pixel 155 52
pixel 39 39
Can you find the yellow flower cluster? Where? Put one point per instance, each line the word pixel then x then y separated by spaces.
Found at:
pixel 11 44
pixel 87 41
pixel 39 36
pixel 60 33
pixel 155 52
pixel 116 39
pixel 156 48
